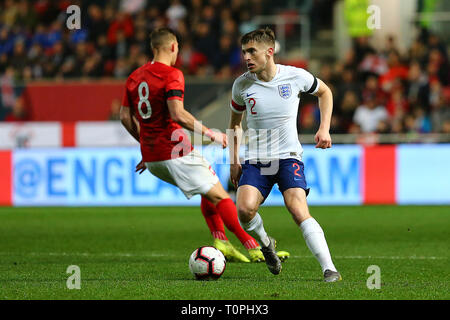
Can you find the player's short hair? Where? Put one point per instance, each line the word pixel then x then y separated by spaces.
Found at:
pixel 161 36
pixel 265 35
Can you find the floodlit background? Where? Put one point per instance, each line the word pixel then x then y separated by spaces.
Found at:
pixel 60 91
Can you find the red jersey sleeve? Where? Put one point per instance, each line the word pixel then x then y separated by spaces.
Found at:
pixel 175 85
pixel 126 101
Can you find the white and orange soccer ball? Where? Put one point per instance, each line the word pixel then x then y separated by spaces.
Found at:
pixel 207 263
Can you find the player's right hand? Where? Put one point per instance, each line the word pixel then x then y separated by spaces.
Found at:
pixel 235 173
pixel 322 139
pixel 223 140
pixel 218 137
pixel 141 167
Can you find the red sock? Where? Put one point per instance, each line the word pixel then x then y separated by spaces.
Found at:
pixel 213 219
pixel 228 212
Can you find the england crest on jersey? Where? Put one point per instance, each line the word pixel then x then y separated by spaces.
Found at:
pixel 285 90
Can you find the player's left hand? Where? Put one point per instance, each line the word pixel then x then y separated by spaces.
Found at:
pixel 322 139
pixel 141 167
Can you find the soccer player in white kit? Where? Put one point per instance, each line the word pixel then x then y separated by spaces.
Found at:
pixel 270 93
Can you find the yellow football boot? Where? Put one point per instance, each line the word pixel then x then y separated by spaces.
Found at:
pixel 256 255
pixel 229 251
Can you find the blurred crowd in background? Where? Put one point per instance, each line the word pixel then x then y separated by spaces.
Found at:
pixel 385 91
pixel 376 89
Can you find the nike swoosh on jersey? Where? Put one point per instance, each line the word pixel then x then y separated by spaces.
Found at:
pixel 250 94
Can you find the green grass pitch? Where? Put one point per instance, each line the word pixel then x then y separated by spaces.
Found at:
pixel 143 252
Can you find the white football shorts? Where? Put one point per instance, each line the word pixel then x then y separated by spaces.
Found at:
pixel 192 173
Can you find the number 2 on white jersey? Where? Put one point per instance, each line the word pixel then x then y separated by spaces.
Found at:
pixel 143 99
pixel 253 102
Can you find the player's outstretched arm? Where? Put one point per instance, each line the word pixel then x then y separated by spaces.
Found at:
pixel 235 142
pixel 129 122
pixel 322 137
pixel 189 122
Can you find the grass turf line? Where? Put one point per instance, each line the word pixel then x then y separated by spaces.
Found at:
pixel 143 252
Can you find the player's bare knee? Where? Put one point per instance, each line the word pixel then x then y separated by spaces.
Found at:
pixel 299 216
pixel 246 212
pixel 298 209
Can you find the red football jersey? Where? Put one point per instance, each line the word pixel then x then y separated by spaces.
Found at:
pixel 147 90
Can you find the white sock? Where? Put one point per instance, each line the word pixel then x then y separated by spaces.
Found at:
pixel 315 240
pixel 255 228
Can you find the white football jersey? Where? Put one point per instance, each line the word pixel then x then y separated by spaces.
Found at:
pixel 272 109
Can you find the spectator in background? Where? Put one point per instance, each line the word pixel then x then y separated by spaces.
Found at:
pixel 440 115
pixel 410 124
pixel 57 54
pixel 418 52
pixel 223 60
pixel 369 114
pixel 373 63
pixel 6 41
pixel 185 58
pixel 423 122
pixel 27 74
pixel 54 34
pixel 3 62
pixel 104 49
pixel 336 125
pixel 246 24
pixel 346 110
pixel 438 67
pixel 114 114
pixel 121 69
pixel 326 75
pixel 122 25
pixel 436 93
pixel 446 127
pixel 210 17
pixel 26 16
pixel 35 44
pixel 132 6
pixel 133 56
pixel 397 105
pixel 175 13
pixel 371 88
pixel 390 45
pixel 96 24
pixel 396 70
pixel 383 127
pixel 204 44
pixel 109 14
pixel 92 68
pixel 397 126
pixel 361 48
pixel 418 89
pixel 40 36
pixel 308 123
pixel 9 13
pixel 121 46
pixel 18 112
pixel 19 59
pixel 348 83
pixel 7 82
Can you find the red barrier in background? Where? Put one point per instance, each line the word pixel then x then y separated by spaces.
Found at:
pixel 68 134
pixel 5 178
pixel 72 101
pixel 379 174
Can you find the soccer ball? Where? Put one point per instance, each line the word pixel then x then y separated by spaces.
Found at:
pixel 207 263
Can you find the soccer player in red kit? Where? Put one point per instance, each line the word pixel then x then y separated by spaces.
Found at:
pixel 153 113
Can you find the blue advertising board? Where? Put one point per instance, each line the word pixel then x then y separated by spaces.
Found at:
pixel 106 177
pixel 423 174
